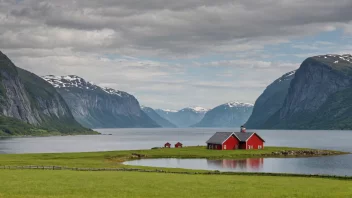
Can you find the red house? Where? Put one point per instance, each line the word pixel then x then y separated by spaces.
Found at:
pixel 178 145
pixel 167 145
pixel 236 140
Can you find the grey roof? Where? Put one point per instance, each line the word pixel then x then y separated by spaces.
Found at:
pixel 219 137
pixel 243 137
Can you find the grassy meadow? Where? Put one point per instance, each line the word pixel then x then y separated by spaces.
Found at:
pixel 75 184
pixel 68 184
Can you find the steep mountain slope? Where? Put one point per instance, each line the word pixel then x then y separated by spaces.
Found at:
pixel 97 107
pixel 319 96
pixel 28 101
pixel 233 114
pixel 157 118
pixel 185 117
pixel 270 101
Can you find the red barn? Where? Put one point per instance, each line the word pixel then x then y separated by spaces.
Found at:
pixel 236 140
pixel 167 145
pixel 178 145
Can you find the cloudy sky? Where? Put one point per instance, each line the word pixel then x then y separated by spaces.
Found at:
pixel 173 54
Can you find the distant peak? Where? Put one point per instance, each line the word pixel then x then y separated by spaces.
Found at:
pixel 169 110
pixel 198 109
pixel 239 104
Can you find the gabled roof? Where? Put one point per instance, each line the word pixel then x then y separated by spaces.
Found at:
pixel 219 137
pixel 243 137
pixel 178 143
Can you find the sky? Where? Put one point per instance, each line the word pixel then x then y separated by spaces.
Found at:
pixel 174 54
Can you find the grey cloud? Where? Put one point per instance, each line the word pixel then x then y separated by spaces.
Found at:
pixel 72 37
pixel 187 26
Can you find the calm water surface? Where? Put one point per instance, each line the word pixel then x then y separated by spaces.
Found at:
pixel 129 139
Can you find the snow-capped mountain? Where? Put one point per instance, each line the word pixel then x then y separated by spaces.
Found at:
pixel 69 81
pixel 196 109
pixel 270 101
pixel 169 110
pixel 97 107
pixel 31 106
pixel 319 96
pixel 73 81
pixel 231 114
pixel 185 117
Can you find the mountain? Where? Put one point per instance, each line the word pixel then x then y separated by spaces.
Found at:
pixel 157 118
pixel 319 96
pixel 31 106
pixel 98 107
pixel 232 114
pixel 185 117
pixel 270 101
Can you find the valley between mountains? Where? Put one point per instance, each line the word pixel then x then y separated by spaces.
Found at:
pixel 317 95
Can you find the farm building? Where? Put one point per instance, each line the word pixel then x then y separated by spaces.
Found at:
pixel 167 145
pixel 235 140
pixel 178 145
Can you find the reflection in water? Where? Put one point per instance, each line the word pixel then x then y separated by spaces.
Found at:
pixel 329 165
pixel 253 164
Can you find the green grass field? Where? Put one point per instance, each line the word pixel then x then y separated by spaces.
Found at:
pixel 65 183
pixel 112 159
pixel 73 184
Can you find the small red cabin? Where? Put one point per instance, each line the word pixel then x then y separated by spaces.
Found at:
pixel 178 145
pixel 167 145
pixel 236 140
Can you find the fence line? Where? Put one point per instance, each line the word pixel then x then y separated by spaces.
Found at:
pixel 35 167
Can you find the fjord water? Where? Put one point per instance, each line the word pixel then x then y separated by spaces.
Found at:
pixel 133 139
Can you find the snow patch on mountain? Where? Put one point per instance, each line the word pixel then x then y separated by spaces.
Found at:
pixel 73 81
pixel 112 91
pixel 286 76
pixel 337 57
pixel 196 109
pixel 239 104
pixel 170 110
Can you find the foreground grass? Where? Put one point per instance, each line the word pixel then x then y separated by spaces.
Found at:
pixel 69 184
pixel 113 159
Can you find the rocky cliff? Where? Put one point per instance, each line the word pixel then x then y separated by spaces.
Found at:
pixel 319 97
pixel 232 114
pixel 270 101
pixel 97 107
pixel 27 98
pixel 185 117
pixel 157 118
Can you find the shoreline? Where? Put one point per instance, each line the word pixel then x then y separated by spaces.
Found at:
pixel 48 135
pixel 106 160
pixel 176 171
